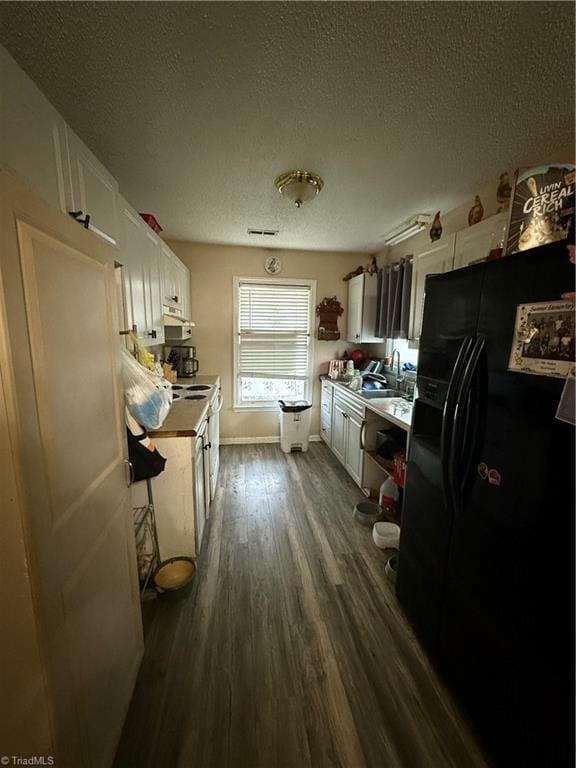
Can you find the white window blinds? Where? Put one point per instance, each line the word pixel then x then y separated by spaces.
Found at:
pixel 273 330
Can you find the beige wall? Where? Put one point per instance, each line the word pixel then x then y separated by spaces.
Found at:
pixel 212 269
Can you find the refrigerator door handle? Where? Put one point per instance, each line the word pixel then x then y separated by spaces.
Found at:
pixel 461 412
pixel 448 416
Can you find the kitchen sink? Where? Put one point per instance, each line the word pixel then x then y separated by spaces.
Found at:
pixel 370 394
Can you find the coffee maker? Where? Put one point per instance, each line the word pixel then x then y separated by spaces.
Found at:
pixel 187 363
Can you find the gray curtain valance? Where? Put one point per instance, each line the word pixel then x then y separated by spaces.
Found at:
pixel 393 307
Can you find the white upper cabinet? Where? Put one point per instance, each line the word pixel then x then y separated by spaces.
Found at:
pixel 92 190
pixel 185 290
pixel 435 259
pixel 32 134
pixel 475 242
pixel 176 285
pixel 140 252
pixel 361 322
pixel 153 284
pixel 36 143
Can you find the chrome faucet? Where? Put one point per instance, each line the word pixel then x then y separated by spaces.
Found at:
pixel 399 377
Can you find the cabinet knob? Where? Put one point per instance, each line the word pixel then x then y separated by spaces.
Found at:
pixel 174 298
pixel 152 334
pixel 357 336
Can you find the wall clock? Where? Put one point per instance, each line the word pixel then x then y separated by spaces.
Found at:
pixel 272 265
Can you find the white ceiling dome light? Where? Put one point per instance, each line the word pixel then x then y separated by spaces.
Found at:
pixel 299 186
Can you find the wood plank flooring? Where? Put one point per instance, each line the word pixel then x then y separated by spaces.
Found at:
pixel 291 651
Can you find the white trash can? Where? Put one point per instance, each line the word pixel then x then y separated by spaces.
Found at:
pixel 294 425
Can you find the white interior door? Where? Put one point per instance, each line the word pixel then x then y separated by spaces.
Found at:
pixel 64 345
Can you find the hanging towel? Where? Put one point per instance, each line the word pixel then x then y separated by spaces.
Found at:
pixel 393 303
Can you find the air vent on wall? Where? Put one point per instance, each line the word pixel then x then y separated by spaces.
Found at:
pixel 263 232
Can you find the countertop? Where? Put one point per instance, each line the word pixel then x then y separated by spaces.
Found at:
pixel 186 416
pixel 395 409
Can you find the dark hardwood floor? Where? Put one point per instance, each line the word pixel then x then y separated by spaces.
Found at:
pixel 291 651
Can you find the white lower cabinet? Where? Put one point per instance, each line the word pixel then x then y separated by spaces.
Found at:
pixel 348 421
pixel 180 498
pixel 326 413
pixel 354 451
pixel 339 431
pixel 326 432
pixel 214 441
pixel 200 494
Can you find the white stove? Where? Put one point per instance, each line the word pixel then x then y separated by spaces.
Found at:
pixel 183 392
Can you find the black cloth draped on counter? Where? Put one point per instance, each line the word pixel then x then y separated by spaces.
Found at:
pixel 393 301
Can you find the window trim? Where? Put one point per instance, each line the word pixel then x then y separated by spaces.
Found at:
pixel 308 389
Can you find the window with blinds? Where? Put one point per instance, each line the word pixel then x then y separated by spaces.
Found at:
pixel 273 340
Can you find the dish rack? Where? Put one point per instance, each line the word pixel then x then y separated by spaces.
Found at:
pixel 146 535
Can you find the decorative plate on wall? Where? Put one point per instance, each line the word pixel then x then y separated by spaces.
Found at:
pixel 272 265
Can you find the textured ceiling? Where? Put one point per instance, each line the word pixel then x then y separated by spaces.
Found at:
pixel 400 107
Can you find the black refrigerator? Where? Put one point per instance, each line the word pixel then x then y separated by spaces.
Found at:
pixel 486 561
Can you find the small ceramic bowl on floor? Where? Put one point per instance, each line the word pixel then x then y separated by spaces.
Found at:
pixel 174 578
pixel 367 512
pixel 391 568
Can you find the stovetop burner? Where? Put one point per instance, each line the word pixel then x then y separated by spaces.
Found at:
pixel 175 396
pixel 195 397
pixel 198 387
pixel 176 386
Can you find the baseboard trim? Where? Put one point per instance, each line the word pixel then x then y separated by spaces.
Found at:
pixel 258 440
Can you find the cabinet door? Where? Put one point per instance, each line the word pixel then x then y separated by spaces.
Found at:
pixel 434 260
pixel 369 304
pixel 169 280
pixel 199 493
pixel 354 322
pixel 133 245
pixel 184 290
pixel 33 135
pixel 354 451
pixel 214 436
pixel 153 287
pixel 326 402
pixel 475 242
pixel 326 430
pixel 93 190
pixel 339 432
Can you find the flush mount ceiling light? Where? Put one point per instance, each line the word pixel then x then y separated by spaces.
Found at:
pixel 299 186
pixel 410 227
